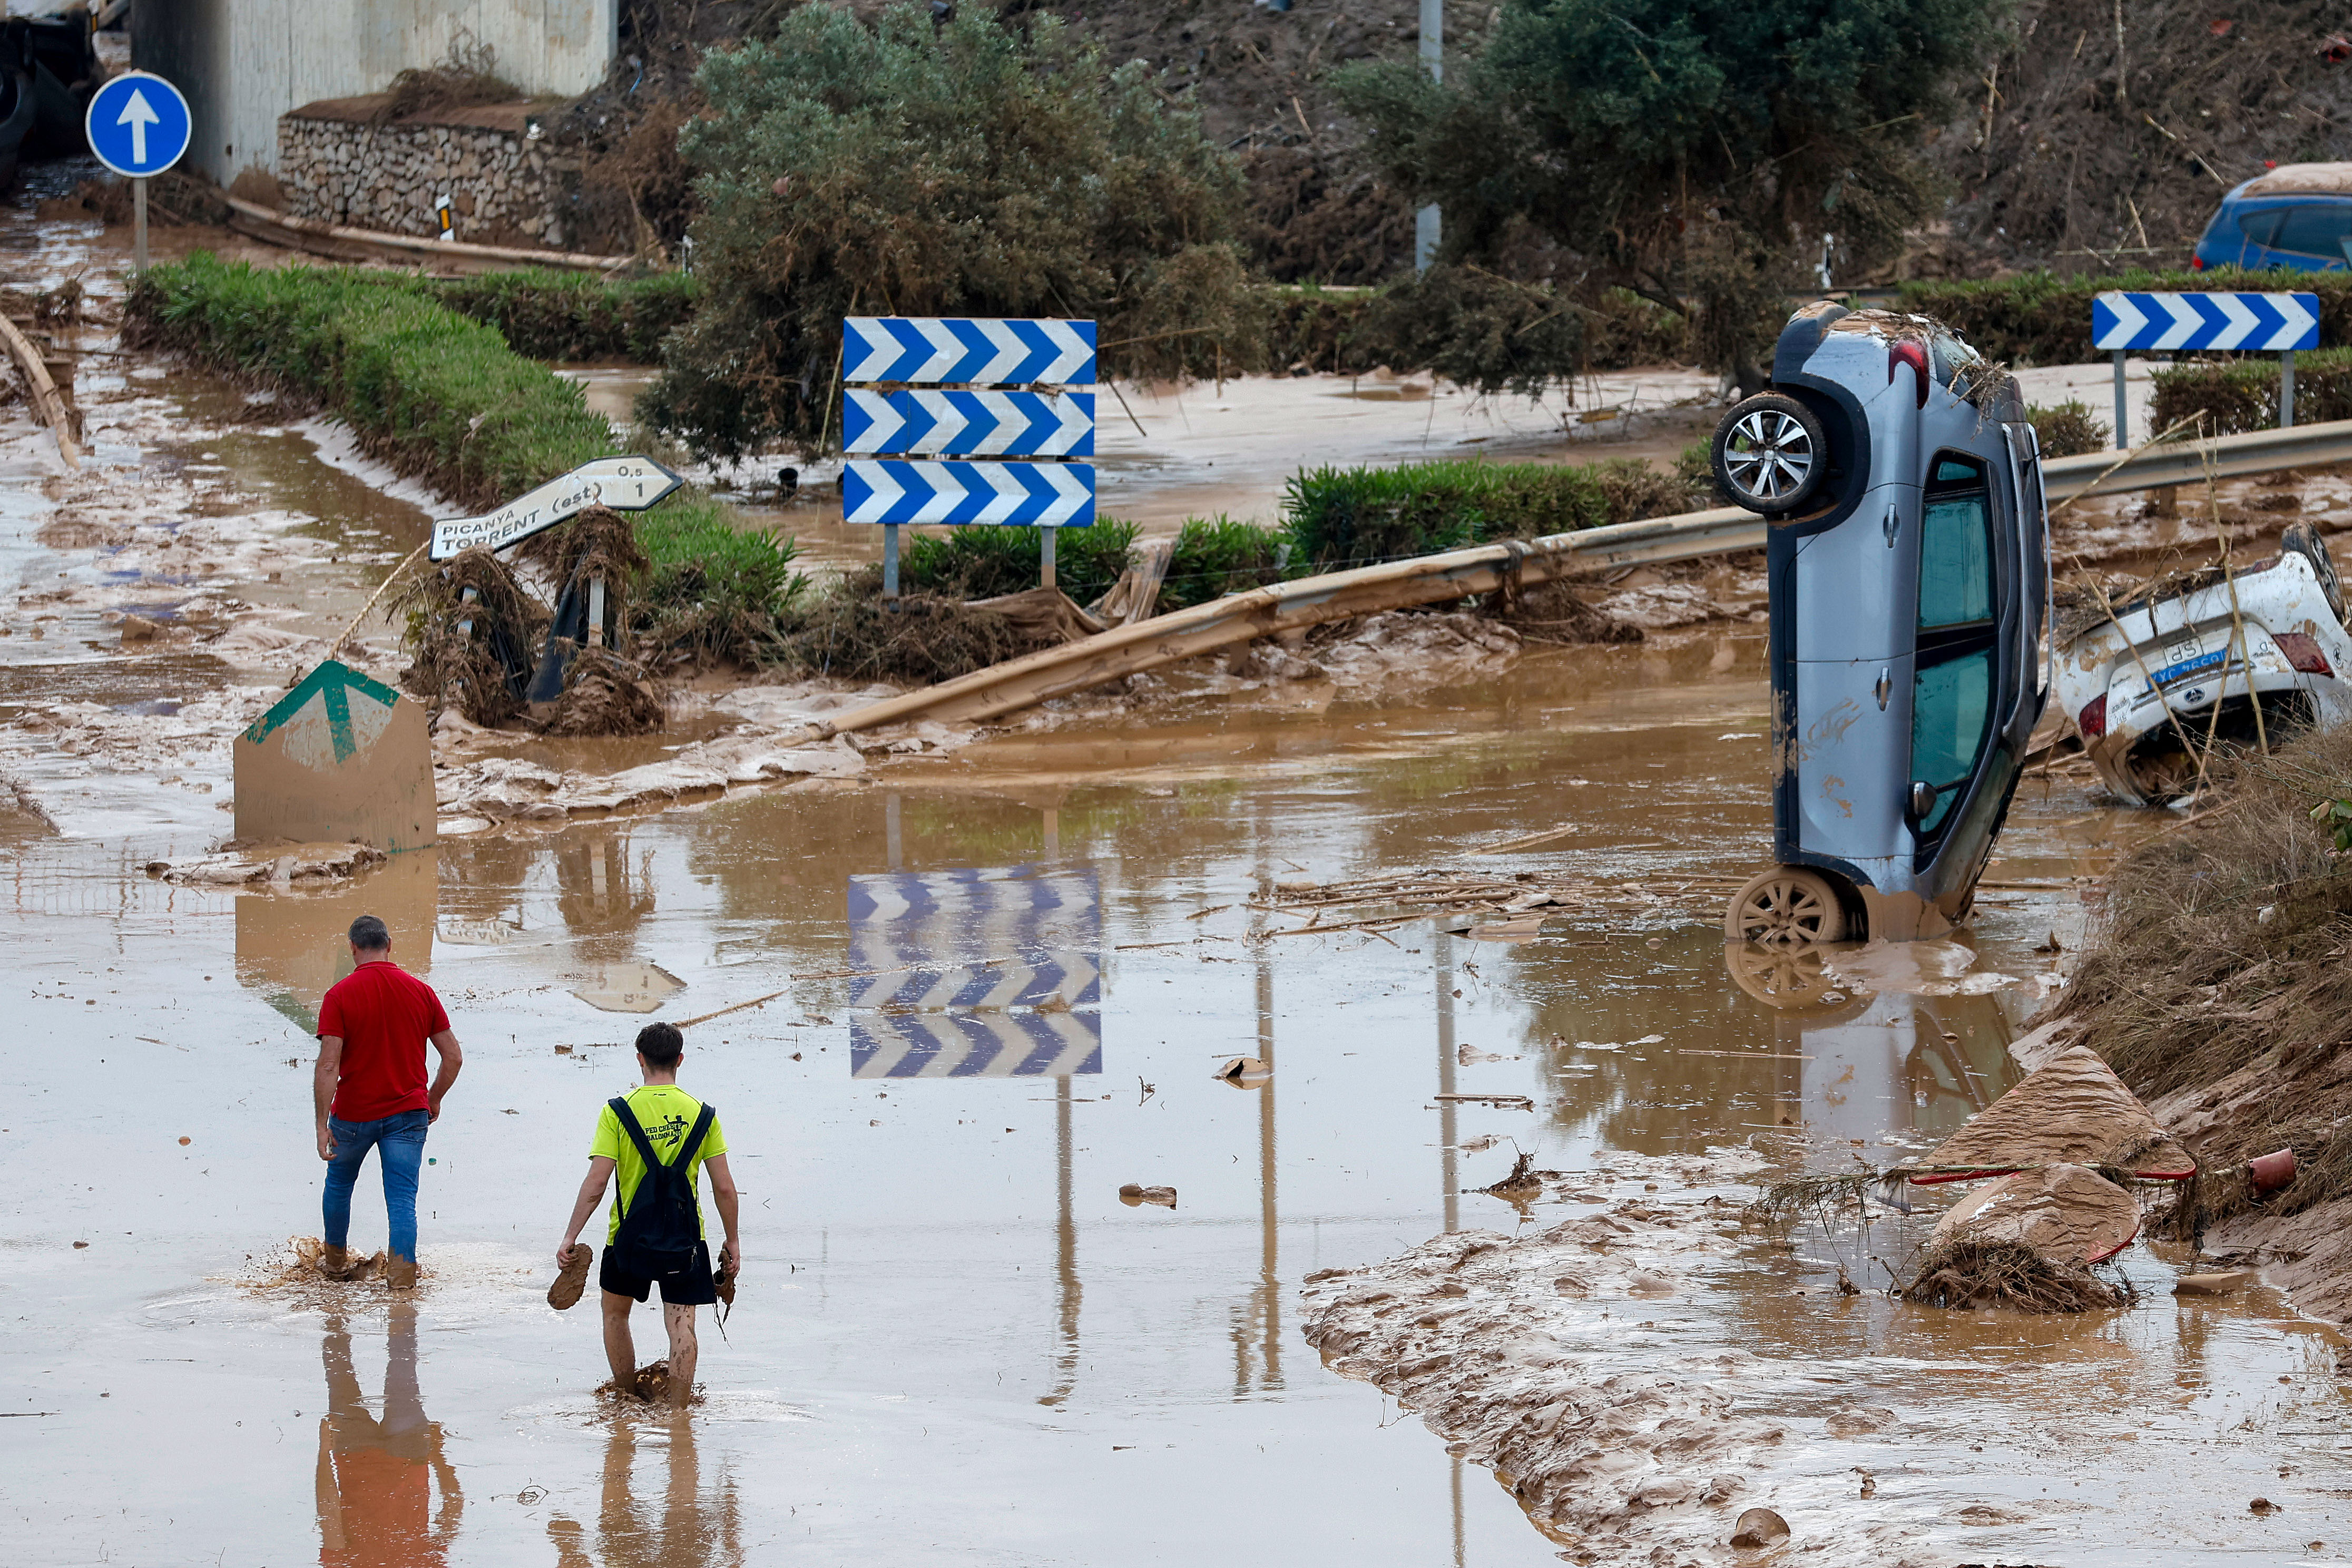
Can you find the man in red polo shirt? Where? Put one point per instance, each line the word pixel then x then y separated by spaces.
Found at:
pixel 369 1091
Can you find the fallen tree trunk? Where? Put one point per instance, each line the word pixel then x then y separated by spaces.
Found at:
pixel 1148 644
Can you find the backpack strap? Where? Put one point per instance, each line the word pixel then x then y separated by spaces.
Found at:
pixel 629 1124
pixel 693 1138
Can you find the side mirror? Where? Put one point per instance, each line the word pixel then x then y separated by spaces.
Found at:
pixel 1923 799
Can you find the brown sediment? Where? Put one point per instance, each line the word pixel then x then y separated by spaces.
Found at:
pixel 1489 1340
pixel 604 694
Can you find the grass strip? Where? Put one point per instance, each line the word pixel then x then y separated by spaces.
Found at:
pixel 445 399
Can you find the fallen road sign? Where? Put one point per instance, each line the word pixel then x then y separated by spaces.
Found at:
pixel 977 352
pixel 970 424
pixel 340 759
pixel 2265 323
pixel 1026 495
pixel 624 484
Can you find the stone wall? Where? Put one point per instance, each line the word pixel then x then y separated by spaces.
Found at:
pixel 337 163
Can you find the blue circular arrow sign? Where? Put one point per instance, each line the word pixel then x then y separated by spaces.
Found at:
pixel 138 124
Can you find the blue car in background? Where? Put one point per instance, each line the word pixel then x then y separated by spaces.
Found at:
pixel 2297 217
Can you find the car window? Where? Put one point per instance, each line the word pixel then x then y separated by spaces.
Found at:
pixel 1955 560
pixel 2261 227
pixel 2316 230
pixel 1950 704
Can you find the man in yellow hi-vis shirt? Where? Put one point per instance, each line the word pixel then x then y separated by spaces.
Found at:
pixel 661 1125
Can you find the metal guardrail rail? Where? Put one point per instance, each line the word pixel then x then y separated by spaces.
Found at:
pixel 1148 644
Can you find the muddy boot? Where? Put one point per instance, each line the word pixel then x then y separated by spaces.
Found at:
pixel 401 1272
pixel 565 1292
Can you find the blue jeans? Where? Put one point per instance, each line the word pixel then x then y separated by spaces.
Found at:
pixel 399 1143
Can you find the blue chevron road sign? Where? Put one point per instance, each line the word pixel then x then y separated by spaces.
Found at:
pixel 973 353
pixel 984 972
pixel 2261 323
pixel 970 424
pixel 974 1044
pixel 1029 495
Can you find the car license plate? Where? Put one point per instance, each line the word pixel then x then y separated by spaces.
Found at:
pixel 2187 669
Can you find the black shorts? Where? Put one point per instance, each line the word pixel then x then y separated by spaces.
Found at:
pixel 695 1287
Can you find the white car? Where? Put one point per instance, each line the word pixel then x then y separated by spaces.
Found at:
pixel 2192 663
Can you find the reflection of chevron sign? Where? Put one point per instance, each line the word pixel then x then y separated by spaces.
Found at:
pixel 979 973
pixel 970 424
pixel 1032 495
pixel 1069 979
pixel 974 1044
pixel 973 353
pixel 339 759
pixel 2268 323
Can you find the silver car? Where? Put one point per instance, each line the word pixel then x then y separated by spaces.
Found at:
pixel 1908 559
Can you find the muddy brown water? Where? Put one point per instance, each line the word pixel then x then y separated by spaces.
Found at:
pixel 955 1343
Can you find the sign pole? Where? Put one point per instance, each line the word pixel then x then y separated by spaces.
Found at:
pixel 1045 556
pixel 2286 389
pixel 890 561
pixel 139 223
pixel 2123 408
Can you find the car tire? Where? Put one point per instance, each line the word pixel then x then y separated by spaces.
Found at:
pixel 2304 541
pixel 1771 454
pixel 1787 906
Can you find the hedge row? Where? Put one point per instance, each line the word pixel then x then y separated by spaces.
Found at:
pixel 2243 394
pixel 546 314
pixel 445 399
pixel 2040 318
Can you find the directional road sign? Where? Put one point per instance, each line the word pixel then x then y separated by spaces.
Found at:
pixel 1028 495
pixel 338 758
pixel 624 484
pixel 138 124
pixel 2267 323
pixel 971 423
pixel 984 353
pixel 974 1044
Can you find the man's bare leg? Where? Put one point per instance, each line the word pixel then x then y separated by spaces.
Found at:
pixel 619 1351
pixel 684 1349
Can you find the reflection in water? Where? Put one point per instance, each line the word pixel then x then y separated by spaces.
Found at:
pixel 292 946
pixel 1257 1324
pixel 691 1532
pixel 598 893
pixel 376 1473
pixel 1448 1177
pixel 1067 1288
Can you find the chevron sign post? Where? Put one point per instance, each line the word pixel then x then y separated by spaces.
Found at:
pixel 981 972
pixel 2246 323
pixel 966 419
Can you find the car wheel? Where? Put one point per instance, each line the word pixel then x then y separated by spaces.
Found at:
pixel 2304 541
pixel 1771 453
pixel 1785 906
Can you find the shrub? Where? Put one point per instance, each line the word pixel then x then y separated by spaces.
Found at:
pixel 2239 395
pixel 1354 517
pixel 547 314
pixel 960 169
pixel 980 562
pixel 1219 555
pixel 2069 430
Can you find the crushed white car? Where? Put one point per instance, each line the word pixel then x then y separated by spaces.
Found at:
pixel 2205 659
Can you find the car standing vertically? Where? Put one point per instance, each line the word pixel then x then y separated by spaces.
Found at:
pixel 1908 561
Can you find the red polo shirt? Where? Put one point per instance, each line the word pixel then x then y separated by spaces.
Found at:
pixel 383 1015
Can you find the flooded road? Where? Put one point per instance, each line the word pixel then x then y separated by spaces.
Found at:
pixel 956 1343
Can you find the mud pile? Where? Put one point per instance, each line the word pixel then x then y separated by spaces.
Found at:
pixel 1502 1346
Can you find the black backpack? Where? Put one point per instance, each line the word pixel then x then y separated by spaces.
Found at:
pixel 661 1226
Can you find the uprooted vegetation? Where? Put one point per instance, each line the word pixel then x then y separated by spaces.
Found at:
pixel 2218 984
pixel 1966 1272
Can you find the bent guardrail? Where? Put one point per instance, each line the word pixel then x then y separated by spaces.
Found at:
pixel 1148 644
